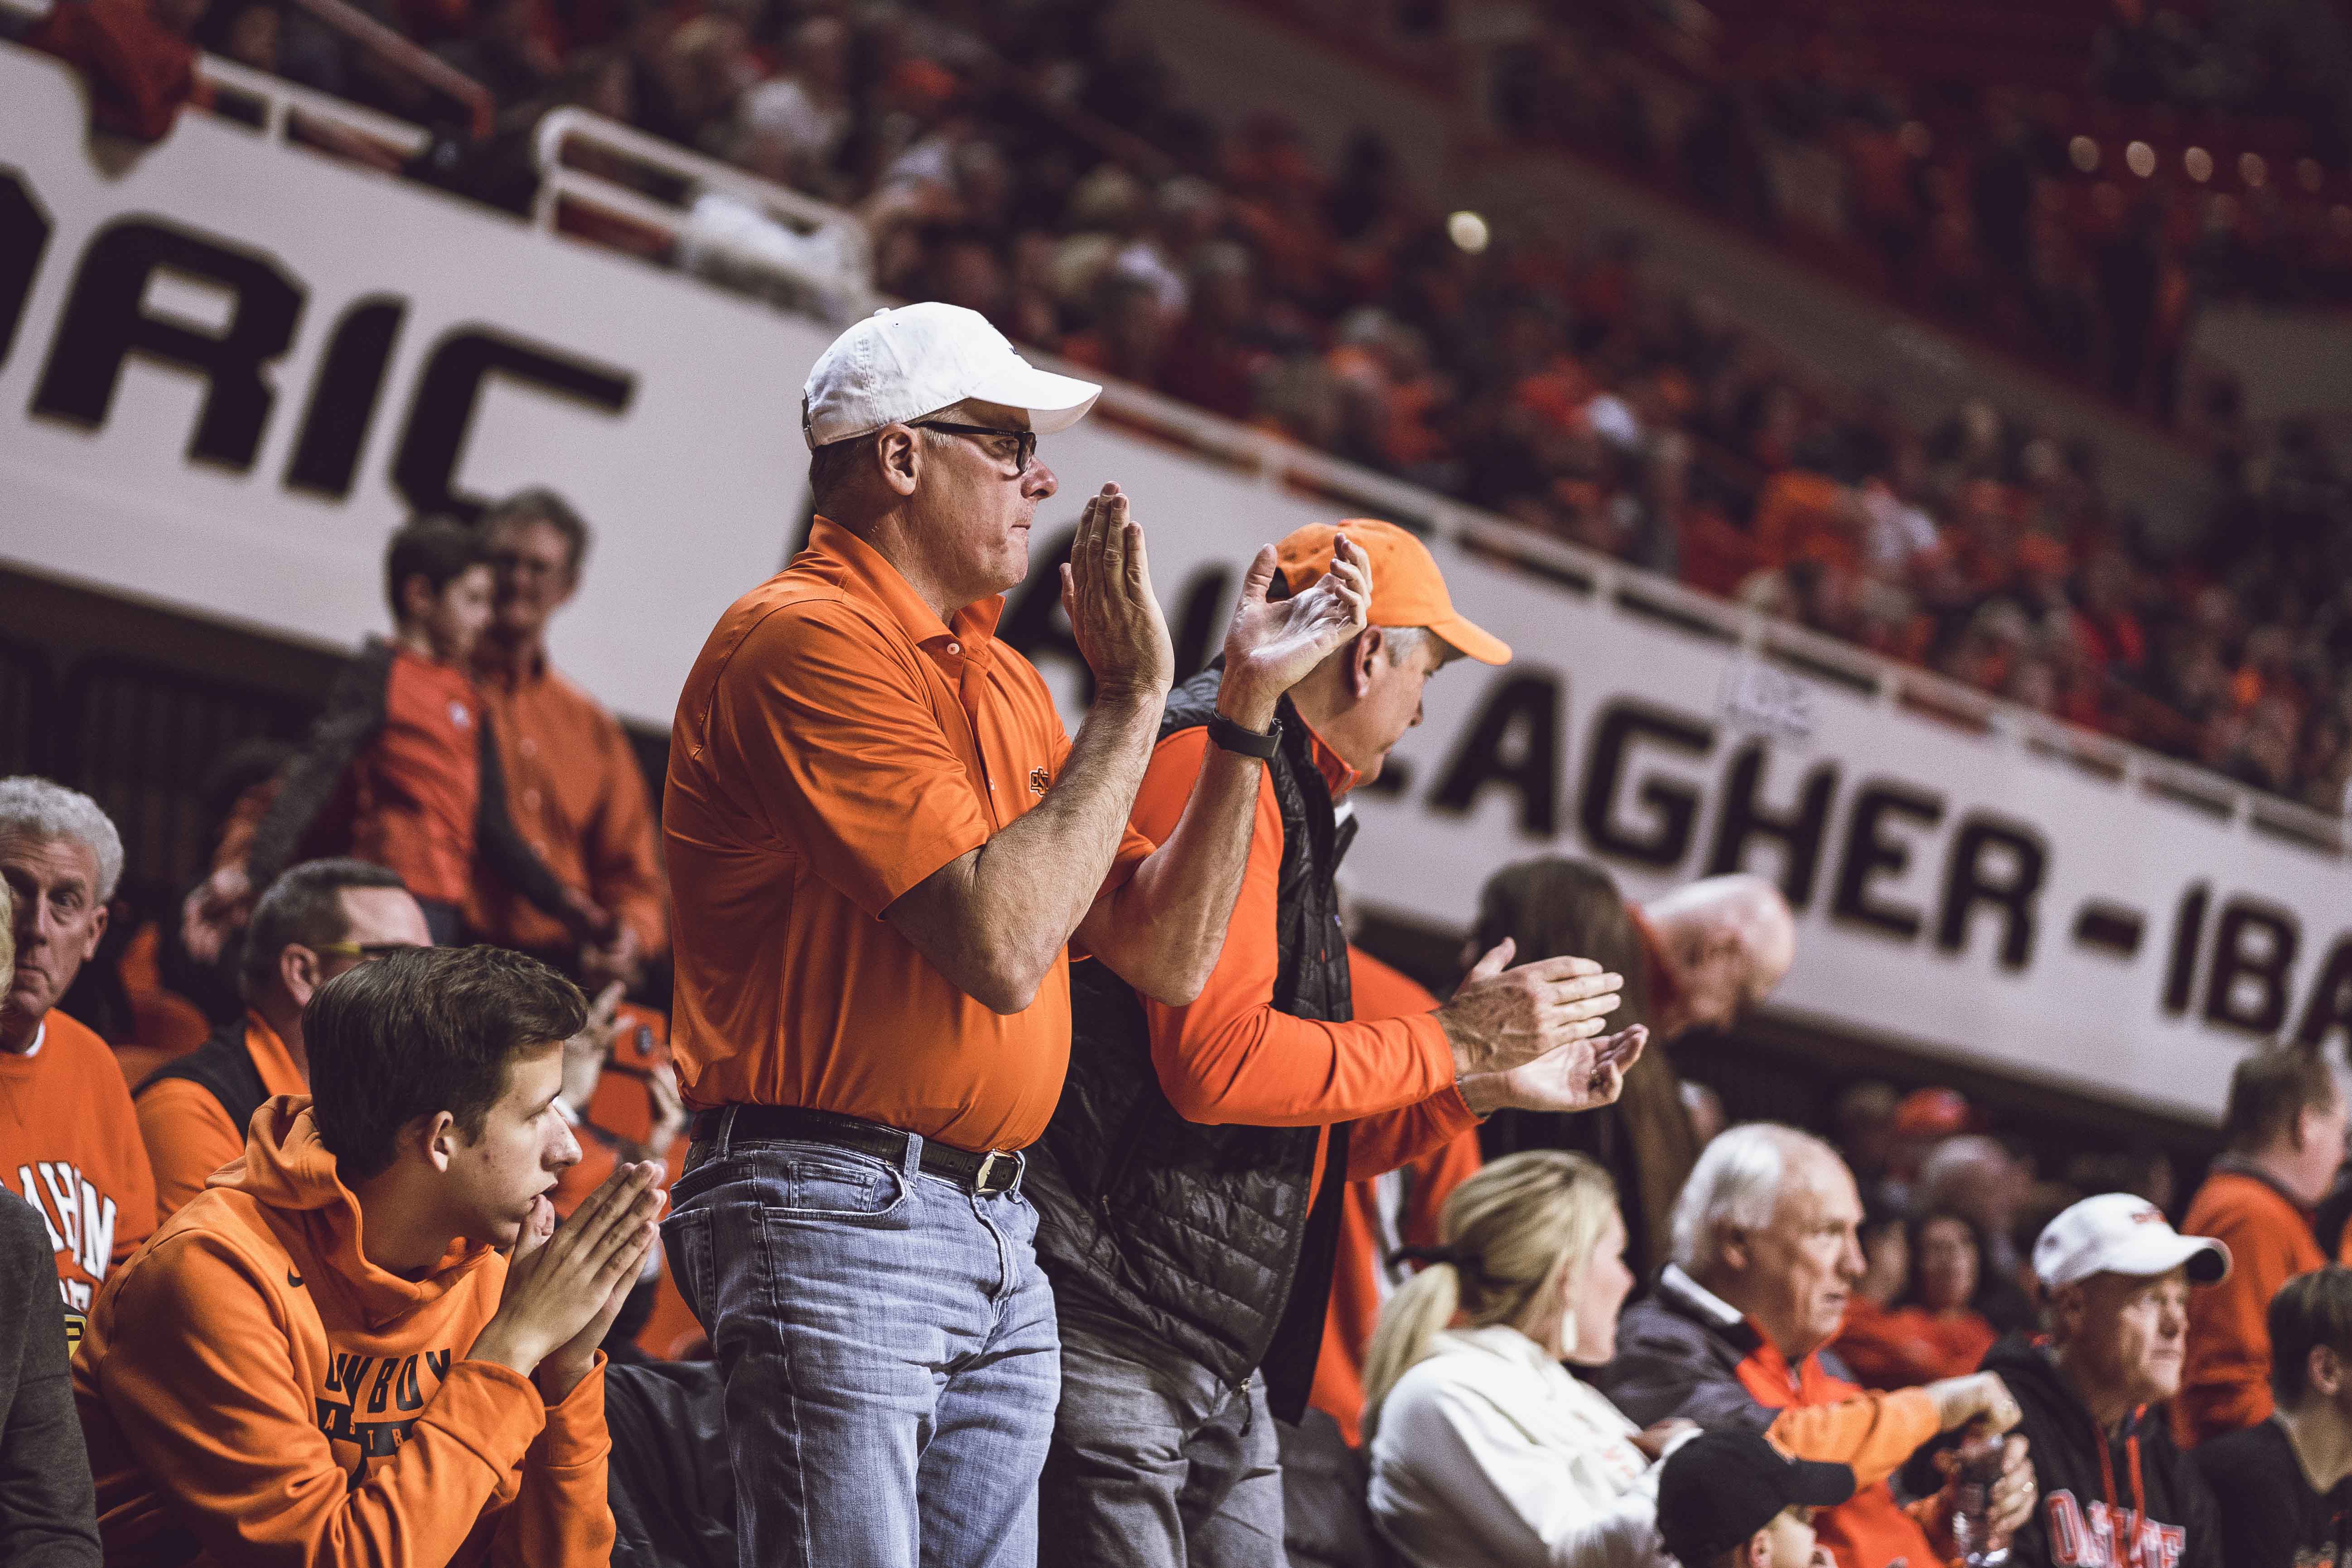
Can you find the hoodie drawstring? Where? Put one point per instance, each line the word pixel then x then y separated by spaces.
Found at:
pixel 2138 1490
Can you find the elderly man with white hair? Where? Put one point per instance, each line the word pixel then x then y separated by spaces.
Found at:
pixel 1766 1258
pixel 70 1140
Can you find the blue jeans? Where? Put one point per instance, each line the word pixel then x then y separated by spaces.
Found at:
pixel 890 1355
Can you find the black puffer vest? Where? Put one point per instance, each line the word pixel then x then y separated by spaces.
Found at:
pixel 223 1067
pixel 1206 1239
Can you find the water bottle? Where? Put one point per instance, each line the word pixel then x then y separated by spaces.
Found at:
pixel 1977 1468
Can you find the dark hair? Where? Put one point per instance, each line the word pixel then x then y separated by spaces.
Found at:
pixel 2309 1310
pixel 2270 1090
pixel 414 1033
pixel 1553 906
pixel 540 504
pixel 437 549
pixel 304 905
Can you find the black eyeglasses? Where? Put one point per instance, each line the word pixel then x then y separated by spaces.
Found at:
pixel 1026 451
pixel 365 951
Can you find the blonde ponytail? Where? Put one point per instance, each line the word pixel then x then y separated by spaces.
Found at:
pixel 1504 1231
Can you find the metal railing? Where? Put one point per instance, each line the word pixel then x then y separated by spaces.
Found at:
pixel 1276 462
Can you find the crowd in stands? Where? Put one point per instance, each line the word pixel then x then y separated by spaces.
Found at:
pixel 1084 207
pixel 422 1304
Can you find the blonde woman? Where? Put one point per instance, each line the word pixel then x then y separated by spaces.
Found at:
pixel 1486 1451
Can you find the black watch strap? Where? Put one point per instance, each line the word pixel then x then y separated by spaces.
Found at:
pixel 1231 737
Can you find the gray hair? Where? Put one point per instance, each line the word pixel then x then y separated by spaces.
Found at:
pixel 1736 1185
pixel 43 811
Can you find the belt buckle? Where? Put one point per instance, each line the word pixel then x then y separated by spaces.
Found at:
pixel 984 1183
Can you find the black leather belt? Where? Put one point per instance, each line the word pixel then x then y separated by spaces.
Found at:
pixel 988 1174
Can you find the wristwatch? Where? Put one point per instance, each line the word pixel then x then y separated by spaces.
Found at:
pixel 1231 737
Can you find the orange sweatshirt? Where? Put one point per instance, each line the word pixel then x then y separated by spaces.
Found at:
pixel 253 1387
pixel 2225 1382
pixel 69 1146
pixel 1400 1208
pixel 1823 1416
pixel 188 1134
pixel 1230 1056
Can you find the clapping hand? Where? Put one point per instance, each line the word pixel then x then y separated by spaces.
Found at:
pixel 1115 617
pixel 1273 645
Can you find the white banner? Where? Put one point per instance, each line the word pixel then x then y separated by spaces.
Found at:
pixel 226 373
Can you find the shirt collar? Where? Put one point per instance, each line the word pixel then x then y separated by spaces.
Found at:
pixel 1704 1303
pixel 1338 776
pixel 40 1033
pixel 868 574
pixel 505 676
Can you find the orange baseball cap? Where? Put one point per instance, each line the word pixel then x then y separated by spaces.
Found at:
pixel 1407 589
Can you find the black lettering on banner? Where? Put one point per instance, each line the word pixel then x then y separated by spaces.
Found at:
pixel 1674 805
pixel 1513 742
pixel 2188 932
pixel 2251 944
pixel 1798 831
pixel 24 236
pixel 2010 884
pixel 1870 854
pixel 441 411
pixel 1196 623
pixel 2330 1007
pixel 343 397
pixel 105 322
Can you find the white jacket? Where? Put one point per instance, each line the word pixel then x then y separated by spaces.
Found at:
pixel 1489 1454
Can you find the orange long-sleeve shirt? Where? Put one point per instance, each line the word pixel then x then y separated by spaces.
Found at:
pixel 1404 1203
pixel 188 1134
pixel 251 1381
pixel 1230 1056
pixel 1823 1416
pixel 579 799
pixel 2225 1382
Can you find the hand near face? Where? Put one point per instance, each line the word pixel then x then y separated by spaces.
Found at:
pixel 1274 645
pixel 1114 615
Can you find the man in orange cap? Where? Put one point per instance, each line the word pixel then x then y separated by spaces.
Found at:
pixel 1190 1183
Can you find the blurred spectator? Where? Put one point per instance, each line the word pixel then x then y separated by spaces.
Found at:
pixel 315 922
pixel 2279 1485
pixel 1983 1181
pixel 574 782
pixel 2284 1125
pixel 1766 1258
pixel 1730 1500
pixel 1930 1328
pixel 2118 1280
pixel 1923 1119
pixel 136 57
pixel 1698 957
pixel 1863 1123
pixel 1485 1448
pixel 68 1115
pixel 403 769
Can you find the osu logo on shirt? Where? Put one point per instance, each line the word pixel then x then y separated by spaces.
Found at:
pixel 2093 1535
pixel 371 1401
pixel 81 1220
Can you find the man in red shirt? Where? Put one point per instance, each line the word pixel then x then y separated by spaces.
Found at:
pixel 1190 1182
pixel 68 1139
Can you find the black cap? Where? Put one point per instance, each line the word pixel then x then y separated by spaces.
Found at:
pixel 1721 1488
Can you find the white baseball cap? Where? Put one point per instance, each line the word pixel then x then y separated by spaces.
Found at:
pixel 2118 1232
pixel 916 360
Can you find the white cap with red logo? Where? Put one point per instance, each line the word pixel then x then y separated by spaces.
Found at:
pixel 2118 1232
pixel 901 365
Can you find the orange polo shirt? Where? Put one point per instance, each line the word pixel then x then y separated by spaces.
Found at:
pixel 835 744
pixel 1230 1056
pixel 419 782
pixel 69 1146
pixel 578 798
pixel 189 1136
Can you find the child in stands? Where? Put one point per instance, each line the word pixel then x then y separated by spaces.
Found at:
pixel 324 1355
pixel 401 769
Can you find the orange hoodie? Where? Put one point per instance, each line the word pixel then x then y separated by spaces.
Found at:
pixel 252 1387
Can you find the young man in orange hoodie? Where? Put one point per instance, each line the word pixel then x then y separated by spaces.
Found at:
pixel 323 1357
pixel 2285 1124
